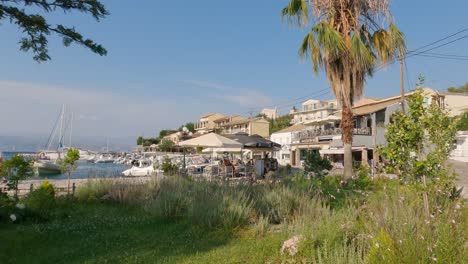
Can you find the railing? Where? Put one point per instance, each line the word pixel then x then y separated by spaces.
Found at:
pixel 310 134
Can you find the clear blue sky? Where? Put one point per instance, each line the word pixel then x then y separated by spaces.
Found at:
pixel 171 61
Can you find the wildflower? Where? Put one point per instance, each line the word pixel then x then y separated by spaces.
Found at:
pixel 377 245
pixel 434 259
pixel 399 241
pixel 332 196
pixel 13 217
pixel 343 182
pixel 457 206
pixel 453 221
pixel 432 216
pixel 20 206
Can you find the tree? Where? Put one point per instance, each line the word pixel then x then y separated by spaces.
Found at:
pixel 36 29
pixel 69 164
pixel 461 89
pixel 166 145
pixel 347 40
pixel 15 169
pixel 315 164
pixel 418 145
pixel 190 126
pixel 164 133
pixel 280 123
pixel 140 141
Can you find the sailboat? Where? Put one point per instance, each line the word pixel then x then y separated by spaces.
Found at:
pixel 48 161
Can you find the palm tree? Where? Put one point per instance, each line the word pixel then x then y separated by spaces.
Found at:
pixel 348 40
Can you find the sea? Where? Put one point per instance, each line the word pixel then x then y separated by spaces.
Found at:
pixel 85 169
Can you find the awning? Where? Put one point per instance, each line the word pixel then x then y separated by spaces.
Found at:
pixel 254 142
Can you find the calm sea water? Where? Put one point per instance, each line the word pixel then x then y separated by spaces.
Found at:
pixel 84 169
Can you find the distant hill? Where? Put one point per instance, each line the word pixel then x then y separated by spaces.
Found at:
pixel 34 143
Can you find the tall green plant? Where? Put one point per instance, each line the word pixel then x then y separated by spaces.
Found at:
pixel 418 144
pixel 69 164
pixel 15 169
pixel 348 39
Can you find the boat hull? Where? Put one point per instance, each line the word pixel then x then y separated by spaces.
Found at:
pixel 47 168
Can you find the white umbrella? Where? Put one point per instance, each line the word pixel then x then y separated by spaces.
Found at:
pixel 211 140
pixel 208 150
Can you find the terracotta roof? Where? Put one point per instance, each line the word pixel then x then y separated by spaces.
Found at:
pixel 294 128
pixel 207 115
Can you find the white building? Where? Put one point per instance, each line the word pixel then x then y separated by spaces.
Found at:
pixel 270 113
pixel 284 138
pixel 312 110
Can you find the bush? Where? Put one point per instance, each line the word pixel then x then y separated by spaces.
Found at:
pixel 168 167
pixel 48 187
pixel 315 164
pixel 41 202
pixel 220 206
pixel 171 200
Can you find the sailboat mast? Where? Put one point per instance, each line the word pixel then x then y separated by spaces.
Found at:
pixel 61 127
pixel 71 129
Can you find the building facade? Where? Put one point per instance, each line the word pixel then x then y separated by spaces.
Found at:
pixel 270 113
pixel 251 126
pixel 206 123
pixel 312 110
pixel 370 120
pixel 284 138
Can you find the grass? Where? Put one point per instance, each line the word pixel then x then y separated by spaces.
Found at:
pixel 106 233
pixel 178 220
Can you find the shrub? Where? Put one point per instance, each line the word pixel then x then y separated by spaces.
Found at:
pixel 220 206
pixel 171 200
pixel 48 187
pixel 41 202
pixel 168 167
pixel 315 164
pixel 278 204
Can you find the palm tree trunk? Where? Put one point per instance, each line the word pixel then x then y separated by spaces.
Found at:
pixel 347 138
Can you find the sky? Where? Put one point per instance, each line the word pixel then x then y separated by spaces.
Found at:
pixel 169 62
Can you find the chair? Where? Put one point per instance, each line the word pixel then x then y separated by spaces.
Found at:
pixel 229 171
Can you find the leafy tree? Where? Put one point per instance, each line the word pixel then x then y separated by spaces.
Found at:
pixel 36 29
pixel 190 126
pixel 166 145
pixel 461 89
pixel 69 164
pixel 140 141
pixel 164 133
pixel 15 169
pixel 280 123
pixel 418 145
pixel 348 39
pixel 316 164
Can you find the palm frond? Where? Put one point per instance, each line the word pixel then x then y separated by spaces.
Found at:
pixel 329 39
pixel 361 53
pixel 296 12
pixel 311 49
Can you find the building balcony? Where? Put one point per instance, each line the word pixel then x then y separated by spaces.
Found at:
pixel 313 134
pixel 237 130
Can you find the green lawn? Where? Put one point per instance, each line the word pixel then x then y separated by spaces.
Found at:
pixel 98 233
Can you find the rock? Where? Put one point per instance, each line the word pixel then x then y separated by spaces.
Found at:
pixel 291 246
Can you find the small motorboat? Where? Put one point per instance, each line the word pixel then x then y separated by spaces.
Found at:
pixel 141 168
